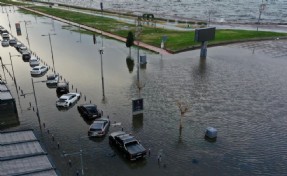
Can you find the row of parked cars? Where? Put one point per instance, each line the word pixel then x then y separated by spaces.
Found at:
pixel 99 125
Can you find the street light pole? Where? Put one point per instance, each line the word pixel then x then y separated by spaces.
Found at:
pixel 101 53
pixel 3 69
pixel 36 103
pixel 13 72
pixel 49 35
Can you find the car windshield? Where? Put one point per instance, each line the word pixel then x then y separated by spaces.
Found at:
pixel 131 143
pixel 36 68
pixel 97 126
pixel 62 99
pixel 92 109
pixel 51 77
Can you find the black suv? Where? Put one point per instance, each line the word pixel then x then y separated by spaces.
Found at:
pixel 131 148
pixel 62 88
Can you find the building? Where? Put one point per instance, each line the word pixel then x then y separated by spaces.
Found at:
pixel 22 154
pixel 8 116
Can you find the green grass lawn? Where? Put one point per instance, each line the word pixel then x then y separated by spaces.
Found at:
pixel 177 40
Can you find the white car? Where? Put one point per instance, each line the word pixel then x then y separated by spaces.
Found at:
pixel 5 43
pixel 34 61
pixel 39 70
pixel 5 35
pixel 68 99
pixel 99 127
pixel 52 79
pixel 23 49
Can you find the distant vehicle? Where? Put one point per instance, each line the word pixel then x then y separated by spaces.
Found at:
pixel 99 127
pixel 22 49
pixel 127 144
pixel 67 100
pixel 5 43
pixel 52 80
pixel 62 88
pixel 5 35
pixel 18 45
pixel 12 42
pixel 34 61
pixel 2 30
pixel 89 111
pixel 26 55
pixel 39 70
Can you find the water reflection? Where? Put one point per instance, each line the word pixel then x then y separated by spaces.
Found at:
pixel 130 64
pixel 138 122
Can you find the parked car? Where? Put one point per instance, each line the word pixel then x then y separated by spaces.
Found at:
pixel 12 41
pixel 99 127
pixel 5 35
pixel 18 45
pixel 22 49
pixel 131 148
pixel 3 30
pixel 39 70
pixel 5 43
pixel 62 88
pixel 90 111
pixel 26 56
pixel 34 61
pixel 52 80
pixel 67 100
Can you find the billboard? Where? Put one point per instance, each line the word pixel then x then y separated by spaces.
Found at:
pixel 18 29
pixel 204 34
pixel 137 105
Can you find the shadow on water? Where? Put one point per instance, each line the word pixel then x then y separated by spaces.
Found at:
pixel 138 121
pixel 130 64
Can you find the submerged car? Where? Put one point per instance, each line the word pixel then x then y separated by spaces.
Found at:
pixel 67 100
pixel 99 127
pixel 39 70
pixel 22 49
pixel 62 88
pixel 5 43
pixel 34 61
pixel 26 56
pixel 128 145
pixel 90 111
pixel 12 41
pixel 52 80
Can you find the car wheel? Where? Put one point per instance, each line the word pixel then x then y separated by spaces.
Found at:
pixel 69 104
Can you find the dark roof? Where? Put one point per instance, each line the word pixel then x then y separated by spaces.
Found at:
pixel 22 154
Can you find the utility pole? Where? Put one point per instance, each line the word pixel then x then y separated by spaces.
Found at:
pixel 3 69
pixel 49 35
pixel 101 51
pixel 27 37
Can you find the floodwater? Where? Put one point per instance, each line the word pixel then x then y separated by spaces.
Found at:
pixel 239 89
pixel 241 11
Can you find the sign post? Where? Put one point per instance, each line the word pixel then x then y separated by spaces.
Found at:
pixel 203 35
pixel 137 106
pixel 18 29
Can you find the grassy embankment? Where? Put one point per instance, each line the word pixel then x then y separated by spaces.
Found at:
pixel 177 40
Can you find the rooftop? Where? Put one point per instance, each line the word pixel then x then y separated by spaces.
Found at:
pixel 22 154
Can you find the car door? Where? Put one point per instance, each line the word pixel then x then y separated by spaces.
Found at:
pixel 72 98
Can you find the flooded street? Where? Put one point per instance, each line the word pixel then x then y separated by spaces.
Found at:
pixel 239 89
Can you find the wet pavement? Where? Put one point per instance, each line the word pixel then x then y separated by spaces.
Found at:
pixel 239 89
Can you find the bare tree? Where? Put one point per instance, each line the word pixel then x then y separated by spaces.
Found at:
pixel 183 108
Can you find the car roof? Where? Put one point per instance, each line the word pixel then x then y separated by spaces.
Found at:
pixel 66 96
pixel 117 133
pixel 89 105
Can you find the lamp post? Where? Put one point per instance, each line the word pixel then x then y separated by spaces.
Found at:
pixel 15 82
pixel 3 69
pixel 49 35
pixel 138 31
pixel 35 98
pixel 261 9
pixel 101 51
pixel 78 153
pixel 27 37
